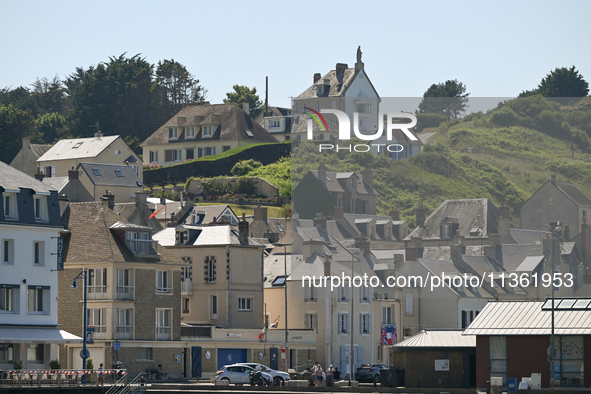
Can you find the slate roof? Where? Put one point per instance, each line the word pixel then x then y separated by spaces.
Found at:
pixel 232 122
pixel 108 177
pixel 90 224
pixel 574 193
pixel 57 183
pixel 13 179
pixel 527 236
pixel 511 256
pixel 39 150
pixel 89 147
pixel 528 318
pixel 437 339
pixel 452 268
pixel 278 111
pixel 478 212
pixel 204 236
pixel 333 185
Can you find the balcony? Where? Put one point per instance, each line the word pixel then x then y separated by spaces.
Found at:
pixel 125 293
pixel 97 292
pixel 124 332
pixel 100 332
pixel 186 287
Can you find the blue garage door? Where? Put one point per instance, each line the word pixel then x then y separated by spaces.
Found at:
pixel 231 356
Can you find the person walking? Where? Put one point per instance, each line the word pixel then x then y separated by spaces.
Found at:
pixel 101 376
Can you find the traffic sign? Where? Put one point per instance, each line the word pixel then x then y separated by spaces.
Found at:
pixel 82 353
pixel 116 346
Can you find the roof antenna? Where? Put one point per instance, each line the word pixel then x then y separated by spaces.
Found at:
pixel 97 133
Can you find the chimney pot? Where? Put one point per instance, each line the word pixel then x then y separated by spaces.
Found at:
pixel 316 77
pixel 553 178
pixel 72 174
pixel 246 106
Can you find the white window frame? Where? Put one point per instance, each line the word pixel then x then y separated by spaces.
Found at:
pixel 245 304
pixel 172 133
pixel 343 323
pixel 274 124
pixel 343 293
pixel 97 317
pixel 38 253
pixel 163 324
pixel 190 132
pixel 164 282
pixel 387 315
pixel 176 155
pixel 38 300
pixel 125 283
pixel 153 156
pixel 9 296
pixel 124 328
pixel 97 281
pixel 365 323
pixel 364 294
pixel 10 206
pixel 210 267
pixel 207 131
pixel 410 308
pixel 8 251
pixel 139 242
pixel 311 321
pixel 40 208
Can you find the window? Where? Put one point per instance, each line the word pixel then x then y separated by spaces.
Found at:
pixel 39 251
pixel 6 353
pixel 168 155
pixel 125 324
pixel 226 148
pixel 40 207
pixel 118 173
pixel 207 131
pixel 274 124
pixel 343 323
pixel 143 354
pixel 364 208
pixel 209 151
pixel 10 211
pixel 386 315
pixel 8 251
pixel 176 155
pixel 77 145
pixel 35 353
pixel 310 293
pixel 96 172
pixel 343 293
pixel 214 307
pixel 172 133
pixel 497 354
pixel 190 153
pixel 210 269
pixel 125 284
pixel 96 317
pixel 364 323
pixel 445 231
pixel 97 283
pixel 163 324
pixel 185 305
pixel 311 321
pixel 8 296
pixel 570 361
pixel 363 108
pixel 245 304
pixel 380 352
pixel 163 282
pixel 364 294
pixel 153 156
pixel 339 201
pixel 410 304
pixel 139 242
pixel 38 300
pixel 467 317
pixel 190 132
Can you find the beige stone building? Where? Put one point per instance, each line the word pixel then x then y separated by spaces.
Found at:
pixel 121 181
pixel 26 159
pixel 133 291
pixel 67 154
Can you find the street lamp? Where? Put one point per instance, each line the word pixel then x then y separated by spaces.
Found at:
pixel 84 350
pixel 285 294
pixel 552 348
pixel 354 252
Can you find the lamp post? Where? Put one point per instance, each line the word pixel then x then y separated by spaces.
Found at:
pixel 552 348
pixel 351 353
pixel 285 294
pixel 84 350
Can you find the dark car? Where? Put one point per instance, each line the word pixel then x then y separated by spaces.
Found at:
pixel 369 373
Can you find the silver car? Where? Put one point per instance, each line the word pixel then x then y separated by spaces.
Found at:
pixel 239 374
pixel 278 376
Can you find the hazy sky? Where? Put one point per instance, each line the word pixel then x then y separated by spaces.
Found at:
pixel 497 48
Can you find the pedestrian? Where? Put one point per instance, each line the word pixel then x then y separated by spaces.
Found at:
pixel 337 374
pixel 319 376
pixel 314 370
pixel 101 376
pixel 162 372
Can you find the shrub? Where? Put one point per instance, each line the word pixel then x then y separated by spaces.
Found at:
pixel 426 120
pixel 89 364
pixel 55 364
pixel 504 117
pixel 245 166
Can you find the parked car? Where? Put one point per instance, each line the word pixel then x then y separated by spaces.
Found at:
pixel 278 376
pixel 369 373
pixel 239 374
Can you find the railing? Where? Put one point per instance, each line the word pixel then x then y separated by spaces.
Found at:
pixel 125 293
pixel 54 377
pixel 122 387
pixel 186 288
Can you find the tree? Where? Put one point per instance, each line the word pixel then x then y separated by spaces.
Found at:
pixel 449 98
pixel 51 127
pixel 14 125
pixel 175 87
pixel 242 92
pixel 49 95
pixel 563 82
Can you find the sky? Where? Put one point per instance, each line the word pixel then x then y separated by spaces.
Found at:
pixel 496 48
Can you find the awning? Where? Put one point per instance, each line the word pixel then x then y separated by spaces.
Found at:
pixel 36 335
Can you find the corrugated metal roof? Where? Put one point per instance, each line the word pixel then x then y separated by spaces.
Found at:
pixel 438 338
pixel 528 318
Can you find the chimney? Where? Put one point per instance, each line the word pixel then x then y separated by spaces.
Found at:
pixel 141 198
pixel 109 199
pixel 566 233
pixel 326 266
pixel 72 174
pixel 260 213
pixel 456 250
pixel 326 81
pixel 584 238
pixel 413 249
pixel 320 220
pixel 367 176
pixel 491 249
pixel 243 230
pixel 316 77
pixel 98 134
pixel 322 173
pixel 553 179
pixel 340 68
pixel 394 213
pixel 39 175
pixel 26 143
pixel 246 107
pixel 420 216
pixel 398 261
pixel 310 247
pixel 362 243
pixel 338 212
pixel 504 211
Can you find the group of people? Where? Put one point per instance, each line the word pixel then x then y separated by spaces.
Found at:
pixel 319 377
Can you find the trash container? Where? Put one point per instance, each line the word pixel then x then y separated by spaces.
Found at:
pixel 389 378
pixel 329 381
pixel 511 385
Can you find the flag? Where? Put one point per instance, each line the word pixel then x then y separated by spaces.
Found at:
pixel 383 335
pixel 394 340
pixel 389 331
pixel 275 324
pixel 263 331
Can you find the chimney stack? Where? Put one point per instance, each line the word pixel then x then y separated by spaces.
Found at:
pixel 340 67
pixel 246 106
pixel 322 173
pixel 584 238
pixel 413 249
pixel 394 213
pixel 338 212
pixel 310 247
pixel 566 233
pixel 98 134
pixel 326 266
pixel 367 176
pixel 504 211
pixel 243 230
pixel 72 174
pixel 420 215
pixel 260 213
pixel 362 243
pixel 553 179
pixel 320 220
pixel 109 199
pixel 39 175
pixel 317 77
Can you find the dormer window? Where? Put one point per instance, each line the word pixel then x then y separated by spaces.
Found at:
pixel 207 131
pixel 139 242
pixel 190 132
pixel 40 207
pixel 172 133
pixel 445 231
pixel 10 210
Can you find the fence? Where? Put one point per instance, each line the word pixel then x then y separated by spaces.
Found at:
pixel 56 378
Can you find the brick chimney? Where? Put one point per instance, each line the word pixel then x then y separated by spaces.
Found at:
pixel 322 173
pixel 312 246
pixel 584 238
pixel 367 176
pixel 338 212
pixel 72 174
pixel 246 106
pixel 413 249
pixel 394 213
pixel 320 220
pixel 317 77
pixel 420 215
pixel 109 199
pixel 243 230
pixel 362 243
pixel 340 67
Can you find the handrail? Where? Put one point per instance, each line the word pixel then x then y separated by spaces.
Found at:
pixel 50 377
pixel 126 387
